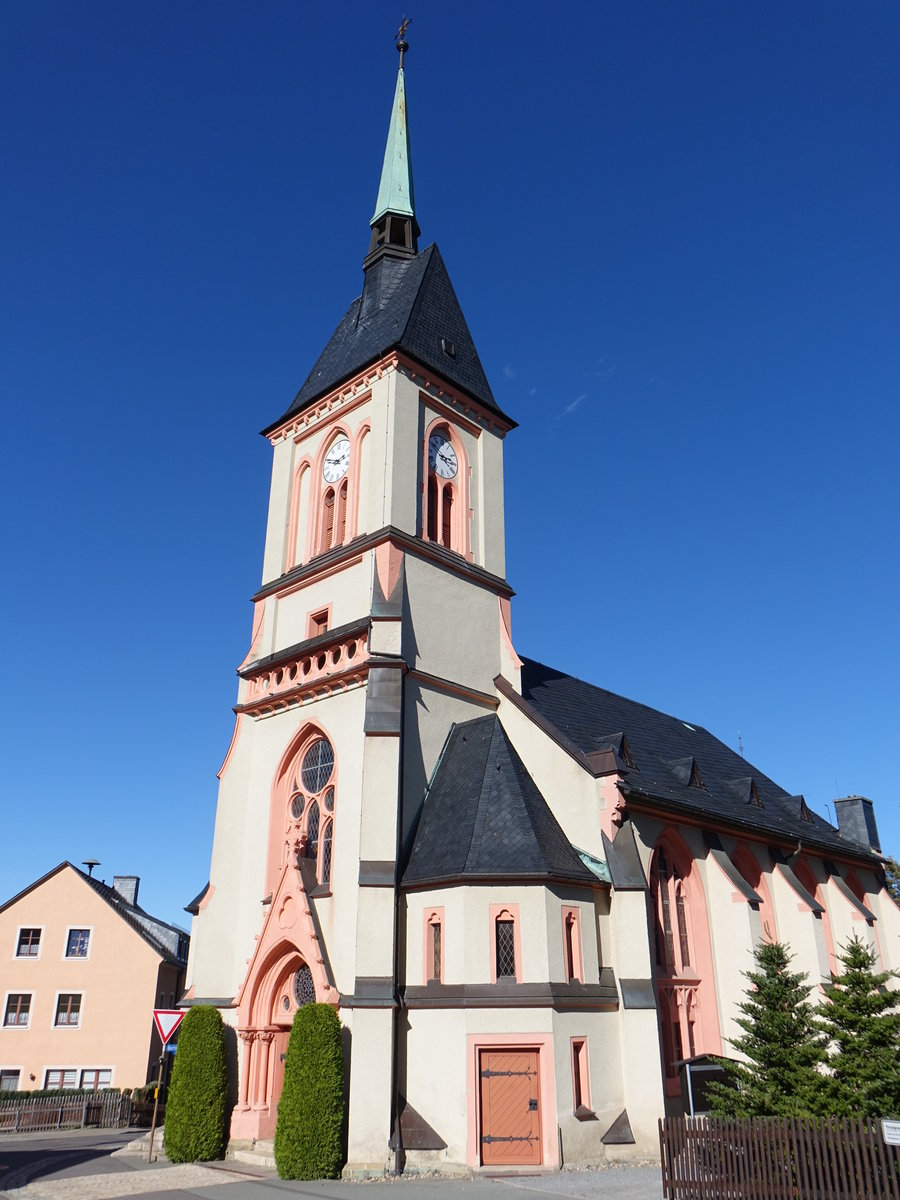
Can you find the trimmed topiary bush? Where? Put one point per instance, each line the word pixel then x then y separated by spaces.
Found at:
pixel 311 1109
pixel 195 1108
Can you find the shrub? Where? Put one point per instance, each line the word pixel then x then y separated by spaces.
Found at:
pixel 195 1110
pixel 311 1109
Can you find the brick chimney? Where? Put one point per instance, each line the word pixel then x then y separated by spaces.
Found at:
pixel 856 821
pixel 127 887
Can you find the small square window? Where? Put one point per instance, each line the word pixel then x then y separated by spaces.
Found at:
pixel 9 1081
pixel 18 1006
pixel 77 943
pixel 29 944
pixel 68 1010
pixel 318 623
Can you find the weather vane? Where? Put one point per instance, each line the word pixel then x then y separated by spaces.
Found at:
pixel 400 37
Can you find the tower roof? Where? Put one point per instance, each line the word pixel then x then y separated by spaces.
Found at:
pixel 395 192
pixel 484 818
pixel 407 305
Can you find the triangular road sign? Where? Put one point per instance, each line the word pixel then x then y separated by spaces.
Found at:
pixel 167 1021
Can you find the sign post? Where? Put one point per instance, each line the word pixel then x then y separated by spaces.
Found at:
pixel 166 1021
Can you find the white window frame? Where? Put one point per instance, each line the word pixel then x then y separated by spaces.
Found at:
pixel 89 929
pixel 20 1071
pixel 17 992
pixel 74 1070
pixel 67 1025
pixel 17 957
pixel 112 1075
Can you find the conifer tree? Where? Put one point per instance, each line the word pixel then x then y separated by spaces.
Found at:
pixel 861 1020
pixel 196 1116
pixel 311 1110
pixel 892 878
pixel 781 1041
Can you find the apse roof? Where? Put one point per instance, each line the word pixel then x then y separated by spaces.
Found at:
pixel 485 819
pixel 407 304
pixel 676 762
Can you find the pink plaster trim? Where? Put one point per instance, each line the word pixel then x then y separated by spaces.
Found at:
pixel 804 873
pixel 207 896
pixel 312 629
pixel 707 1033
pixel 857 889
pixel 318 489
pixel 748 865
pixel 235 734
pixel 333 667
pixel 259 612
pixel 388 561
pixel 508 912
pixel 460 526
pixel 343 399
pixel 458 405
pixel 189 994
pixel 584 1074
pixel 432 917
pixel 291 554
pixel 506 630
pixel 357 443
pixel 543 1044
pixel 318 576
pixel 284 832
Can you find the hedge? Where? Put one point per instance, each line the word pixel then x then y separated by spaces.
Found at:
pixel 311 1109
pixel 196 1104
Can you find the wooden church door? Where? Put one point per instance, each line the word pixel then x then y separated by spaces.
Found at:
pixel 510 1108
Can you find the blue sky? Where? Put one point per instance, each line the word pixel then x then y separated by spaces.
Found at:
pixel 673 230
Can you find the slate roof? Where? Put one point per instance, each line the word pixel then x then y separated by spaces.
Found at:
pixel 676 762
pixel 484 818
pixel 167 940
pixel 408 305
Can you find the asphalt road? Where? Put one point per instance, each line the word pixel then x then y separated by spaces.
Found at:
pixel 78 1166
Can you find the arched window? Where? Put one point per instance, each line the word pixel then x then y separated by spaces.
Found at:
pixel 310 828
pixel 444 519
pixel 684 977
pixel 327 539
pixel 332 520
pixel 434 945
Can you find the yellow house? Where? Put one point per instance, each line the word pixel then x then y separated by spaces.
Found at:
pixel 83 967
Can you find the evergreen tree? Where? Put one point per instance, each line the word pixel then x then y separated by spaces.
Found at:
pixel 892 878
pixel 311 1109
pixel 195 1111
pixel 861 1020
pixel 781 1042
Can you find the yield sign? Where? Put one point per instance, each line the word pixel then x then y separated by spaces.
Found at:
pixel 167 1021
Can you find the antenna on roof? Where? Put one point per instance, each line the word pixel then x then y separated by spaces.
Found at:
pixel 740 744
pixel 90 863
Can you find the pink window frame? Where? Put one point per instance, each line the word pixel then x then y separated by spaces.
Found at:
pixel 461 518
pixel 581 1073
pixel 506 912
pixel 432 918
pixel 571 931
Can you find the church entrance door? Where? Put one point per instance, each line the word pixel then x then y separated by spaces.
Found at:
pixel 281 1043
pixel 510 1108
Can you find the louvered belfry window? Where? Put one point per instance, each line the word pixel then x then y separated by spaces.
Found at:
pixel 506 948
pixel 432 523
pixel 327 521
pixel 446 516
pixel 341 524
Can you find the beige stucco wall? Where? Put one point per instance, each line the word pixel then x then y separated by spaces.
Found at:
pixel 120 983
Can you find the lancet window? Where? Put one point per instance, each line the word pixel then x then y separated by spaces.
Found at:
pixel 311 806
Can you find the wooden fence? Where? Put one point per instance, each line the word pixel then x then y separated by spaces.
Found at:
pixel 767 1158
pixel 105 1110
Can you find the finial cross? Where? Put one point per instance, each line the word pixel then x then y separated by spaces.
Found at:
pixel 400 37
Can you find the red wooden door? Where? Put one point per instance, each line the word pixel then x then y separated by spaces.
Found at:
pixel 510 1108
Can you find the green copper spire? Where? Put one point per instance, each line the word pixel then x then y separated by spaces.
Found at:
pixel 395 194
pixel 395 230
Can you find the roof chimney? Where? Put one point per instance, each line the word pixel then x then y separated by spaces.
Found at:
pixel 856 821
pixel 127 887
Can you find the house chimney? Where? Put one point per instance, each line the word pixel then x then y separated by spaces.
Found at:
pixel 127 887
pixel 856 821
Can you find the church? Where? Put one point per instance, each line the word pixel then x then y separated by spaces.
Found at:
pixel 530 900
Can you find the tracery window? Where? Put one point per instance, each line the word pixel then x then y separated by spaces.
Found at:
pixel 304 987
pixel 671 916
pixel 311 807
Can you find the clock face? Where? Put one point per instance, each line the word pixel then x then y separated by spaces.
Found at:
pixel 441 456
pixel 337 460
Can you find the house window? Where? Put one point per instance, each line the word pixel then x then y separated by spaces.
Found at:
pixel 572 957
pixel 60 1077
pixel 95 1079
pixel 77 943
pixel 434 945
pixel 68 1009
pixel 311 806
pixel 505 934
pixel 9 1081
pixel 18 1006
pixel 29 943
pixel 581 1082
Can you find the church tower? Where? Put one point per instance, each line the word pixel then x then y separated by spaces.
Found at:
pixel 382 620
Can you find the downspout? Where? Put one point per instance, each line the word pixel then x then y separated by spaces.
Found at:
pixel 395 985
